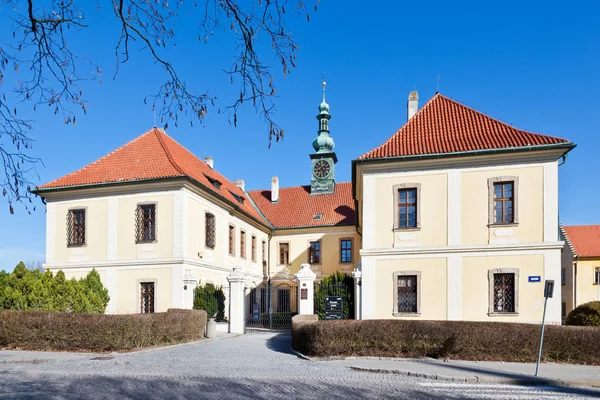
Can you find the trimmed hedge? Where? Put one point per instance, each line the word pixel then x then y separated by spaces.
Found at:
pixel 489 341
pixel 45 330
pixel 587 314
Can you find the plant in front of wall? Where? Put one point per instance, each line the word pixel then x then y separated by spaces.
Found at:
pixel 211 299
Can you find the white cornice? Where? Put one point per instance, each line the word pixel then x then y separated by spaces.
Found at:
pixel 463 249
pixel 138 263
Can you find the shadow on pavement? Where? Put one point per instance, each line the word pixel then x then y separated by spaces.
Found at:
pixel 280 343
pixel 205 388
pixel 523 378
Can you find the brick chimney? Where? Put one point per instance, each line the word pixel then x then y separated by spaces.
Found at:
pixel 274 189
pixel 413 103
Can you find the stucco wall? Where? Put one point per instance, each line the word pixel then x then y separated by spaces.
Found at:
pixel 475 207
pixel 95 248
pixel 299 242
pixel 128 288
pixel 433 212
pixel 476 295
pixel 433 294
pixel 586 289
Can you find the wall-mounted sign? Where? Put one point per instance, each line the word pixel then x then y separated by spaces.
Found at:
pixel 303 294
pixel 535 278
pixel 255 315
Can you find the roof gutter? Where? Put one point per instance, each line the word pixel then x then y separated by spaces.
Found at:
pixel 567 146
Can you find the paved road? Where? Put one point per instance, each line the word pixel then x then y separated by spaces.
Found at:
pixel 249 366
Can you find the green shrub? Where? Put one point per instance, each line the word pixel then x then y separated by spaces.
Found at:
pixel 337 284
pixel 26 289
pixel 587 314
pixel 211 299
pixel 45 330
pixel 492 341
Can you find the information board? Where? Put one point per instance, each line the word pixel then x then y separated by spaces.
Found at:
pixel 334 307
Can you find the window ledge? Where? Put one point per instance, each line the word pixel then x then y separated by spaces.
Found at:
pixel 407 314
pixel 75 246
pixel 503 314
pixel 209 248
pixel 504 225
pixel 411 229
pixel 146 241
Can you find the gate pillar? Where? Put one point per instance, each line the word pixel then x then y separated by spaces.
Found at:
pixel 306 287
pixel 236 301
pixel 357 275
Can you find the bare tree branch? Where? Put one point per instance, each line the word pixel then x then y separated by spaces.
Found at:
pixel 48 71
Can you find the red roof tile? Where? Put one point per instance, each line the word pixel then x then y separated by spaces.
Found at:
pixel 584 239
pixel 153 155
pixel 446 126
pixel 297 207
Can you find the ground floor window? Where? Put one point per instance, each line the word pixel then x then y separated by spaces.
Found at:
pixel 407 293
pixel 504 296
pixel 147 297
pixel 283 300
pixel 597 276
pixel 264 300
pixel 564 310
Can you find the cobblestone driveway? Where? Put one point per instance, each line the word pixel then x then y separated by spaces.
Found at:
pixel 255 366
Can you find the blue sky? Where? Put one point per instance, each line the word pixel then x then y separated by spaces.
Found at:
pixel 532 65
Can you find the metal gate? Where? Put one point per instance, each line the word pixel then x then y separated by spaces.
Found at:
pixel 334 300
pixel 271 305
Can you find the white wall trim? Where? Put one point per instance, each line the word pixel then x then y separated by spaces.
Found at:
pixel 461 249
pixel 368 289
pixel 441 171
pixel 454 208
pixel 112 225
pixel 51 232
pixel 111 285
pixel 550 202
pixel 133 264
pixel 454 289
pixel 178 224
pixel 368 211
pixel 552 270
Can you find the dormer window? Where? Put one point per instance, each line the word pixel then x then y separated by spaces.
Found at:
pixel 215 182
pixel 240 199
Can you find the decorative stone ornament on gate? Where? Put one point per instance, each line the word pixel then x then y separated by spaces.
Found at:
pixel 306 286
pixel 357 275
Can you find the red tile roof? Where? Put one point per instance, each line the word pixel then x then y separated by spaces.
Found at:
pixel 153 155
pixel 446 126
pixel 297 207
pixel 583 239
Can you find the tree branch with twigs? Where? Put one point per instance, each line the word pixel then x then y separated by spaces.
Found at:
pixel 43 69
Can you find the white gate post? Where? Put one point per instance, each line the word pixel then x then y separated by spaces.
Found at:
pixel 306 284
pixel 357 275
pixel 236 301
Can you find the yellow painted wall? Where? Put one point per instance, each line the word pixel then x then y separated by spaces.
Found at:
pixel 96 247
pixel 586 290
pixel 82 274
pixel 299 241
pixel 434 215
pixel 128 288
pixel 476 287
pixel 127 249
pixel 197 209
pixel 566 290
pixel 433 287
pixel 475 206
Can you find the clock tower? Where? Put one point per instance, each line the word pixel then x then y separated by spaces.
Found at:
pixel 324 158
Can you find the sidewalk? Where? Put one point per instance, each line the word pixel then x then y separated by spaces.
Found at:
pixel 477 371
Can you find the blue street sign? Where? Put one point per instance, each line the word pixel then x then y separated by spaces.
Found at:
pixel 535 279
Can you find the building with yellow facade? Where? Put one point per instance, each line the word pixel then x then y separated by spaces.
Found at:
pixel 454 217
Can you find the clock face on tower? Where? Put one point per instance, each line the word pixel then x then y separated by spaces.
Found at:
pixel 321 169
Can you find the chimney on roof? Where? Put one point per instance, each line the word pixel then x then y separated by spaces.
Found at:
pixel 208 160
pixel 240 183
pixel 274 189
pixel 413 103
